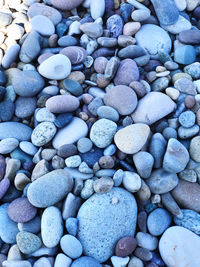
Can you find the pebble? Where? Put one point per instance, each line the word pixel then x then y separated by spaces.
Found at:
pixel 135 262
pixel 119 261
pixel 175 237
pixel 85 261
pixel 71 205
pixel 102 132
pixel 92 29
pixel 63 119
pixel 185 54
pixel 8 228
pixel 153 38
pixel 97 8
pixel 189 37
pixel 28 242
pixel 16 130
pixel 66 5
pixel 140 15
pixel 62 260
pixel 194 148
pixel 51 227
pixel 71 246
pixel 132 138
pixel 25 106
pixel 130 28
pixel 122 98
pixel 27 83
pixel 49 188
pixel 62 103
pixel 187 119
pixel 56 67
pixel 102 207
pixel 125 246
pixel 7 145
pixel 84 145
pixel 144 162
pixel 182 24
pixel 76 54
pixel 44 115
pixel 193 70
pixel 10 56
pixel 125 10
pixel 73 161
pixel 187 194
pixel 20 210
pixel 153 107
pixel 161 182
pixel 6 110
pixel 71 133
pixel 127 72
pixel 43 133
pixel 47 28
pixel 115 25
pixel 147 241
pixel 5 19
pixel 16 263
pixel 73 87
pixel 131 181
pixel 71 225
pixel 103 185
pixel 33 226
pixel 176 156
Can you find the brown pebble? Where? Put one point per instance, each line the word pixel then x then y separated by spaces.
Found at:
pixel 87 98
pixel 125 246
pixel 77 76
pixel 100 64
pixel 106 162
pixel 190 101
pixel 102 82
pixel 83 116
pixel 138 88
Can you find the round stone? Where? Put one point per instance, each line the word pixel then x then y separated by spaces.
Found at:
pixel 122 98
pixel 107 112
pixel 132 138
pixel 25 106
pixel 49 188
pixel 7 145
pixel 56 67
pixel 185 54
pixel 73 87
pixel 187 119
pixel 44 114
pixel 158 221
pixel 84 145
pixel 20 210
pixel 100 64
pixel 16 130
pixel 195 148
pixel 43 133
pixel 153 38
pixel 67 40
pixel 131 181
pixel 98 232
pixel 28 242
pixel 144 162
pixel 62 103
pixel 125 246
pixel 71 246
pixel 103 185
pixel 97 8
pixel 47 28
pixel 102 132
pixel 76 54
pixel 146 241
pixel 175 250
pixel 51 227
pixel 140 14
pixel 62 260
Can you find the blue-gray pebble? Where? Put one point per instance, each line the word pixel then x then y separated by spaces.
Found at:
pixel 16 130
pixel 7 109
pixel 187 119
pixel 86 261
pixel 73 87
pixel 71 225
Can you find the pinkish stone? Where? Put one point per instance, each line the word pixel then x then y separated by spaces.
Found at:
pixel 76 54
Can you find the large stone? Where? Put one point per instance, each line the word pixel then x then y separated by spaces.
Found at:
pixel 49 188
pixel 16 130
pixel 98 232
pixel 153 107
pixel 180 247
pixel 132 138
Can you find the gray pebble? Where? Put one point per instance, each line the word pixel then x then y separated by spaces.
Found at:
pixel 187 119
pixel 84 145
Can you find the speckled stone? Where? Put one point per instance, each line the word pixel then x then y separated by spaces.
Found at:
pixel 76 54
pixel 43 133
pixel 115 25
pixel 28 242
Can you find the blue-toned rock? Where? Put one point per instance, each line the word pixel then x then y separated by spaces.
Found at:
pixel 32 226
pixel 71 225
pixel 67 40
pixel 62 260
pixel 20 155
pixel 98 232
pixel 158 221
pixel 49 188
pixel 126 10
pixel 185 54
pixel 27 83
pixel 15 130
pixel 73 87
pixel 25 106
pixel 187 119
pixel 8 228
pixel 51 227
pixel 86 261
pixel 92 156
pixel 43 133
pixel 115 25
pixel 144 163
pixel 28 242
pixel 107 112
pixel 71 246
pixel 7 109
pixel 193 70
pixel 5 19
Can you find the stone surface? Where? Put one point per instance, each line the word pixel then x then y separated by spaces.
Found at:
pixel 153 107
pixel 86 261
pixel 43 133
pixel 76 54
pixel 125 246
pixel 194 148
pixel 62 103
pixel 118 203
pixel 115 25
pixel 7 145
pixel 28 242
pixel 122 98
pixel 71 246
pixel 25 106
pixel 49 188
pixel 47 28
pixel 66 5
pixel 175 237
pixel 16 130
pixel 132 138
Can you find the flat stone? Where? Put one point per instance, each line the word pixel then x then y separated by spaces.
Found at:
pixel 185 54
pixel 27 83
pixel 122 98
pixel 161 182
pixel 153 107
pixel 71 246
pixel 152 38
pixel 49 188
pixel 25 106
pixel 63 119
pixel 56 67
pixel 76 54
pixel 51 227
pixel 176 156
pixel 73 87
pixel 62 103
pixel 175 237
pixel 117 203
pixel 47 28
pixel 71 133
pixel 43 133
pixel 28 242
pixel 67 40
pixel 132 138
pixel 102 132
pixel 127 72
pixel 131 51
pixel 125 246
pixel 189 36
pixel 187 195
pixel 20 210
pixel 16 130
pixel 106 112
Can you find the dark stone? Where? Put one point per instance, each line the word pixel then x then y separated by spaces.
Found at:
pixel 92 156
pixel 7 109
pixel 63 119
pixel 2 92
pixel 11 194
pixel 67 150
pixel 2 166
pixel 115 25
pixel 3 78
pixel 126 10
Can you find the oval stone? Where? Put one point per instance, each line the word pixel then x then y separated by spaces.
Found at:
pixel 125 246
pixel 62 103
pixel 51 227
pixel 76 54
pixel 16 130
pixel 175 249
pixel 56 67
pixel 98 232
pixel 47 28
pixel 66 4
pixel 122 98
pixel 20 210
pixel 115 25
pixel 7 145
pixel 71 133
pixel 49 188
pixel 153 107
pixel 43 133
pixel 132 138
pixel 86 261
